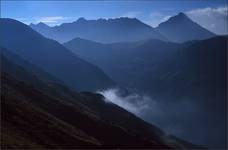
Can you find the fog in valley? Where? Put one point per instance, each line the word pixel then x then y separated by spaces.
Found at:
pixel 184 118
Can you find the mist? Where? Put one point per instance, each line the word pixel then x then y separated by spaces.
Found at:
pixel 185 118
pixel 130 102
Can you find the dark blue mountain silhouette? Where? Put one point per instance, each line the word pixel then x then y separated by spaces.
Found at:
pixel 51 57
pixel 124 62
pixel 172 73
pixel 101 30
pixel 181 28
pixel 41 115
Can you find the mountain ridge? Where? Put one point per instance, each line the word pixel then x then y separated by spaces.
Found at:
pixel 121 29
pixel 52 57
pixel 131 55
pixel 68 120
pixel 180 28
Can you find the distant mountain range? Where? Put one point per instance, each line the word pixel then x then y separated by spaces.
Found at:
pixel 101 30
pixel 179 28
pixel 52 57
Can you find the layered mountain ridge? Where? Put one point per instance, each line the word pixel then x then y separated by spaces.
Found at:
pixel 53 116
pixel 179 28
pixel 48 89
pixel 52 57
pixel 101 30
pixel 184 76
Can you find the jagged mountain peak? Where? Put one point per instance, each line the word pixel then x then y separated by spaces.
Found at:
pixel 81 19
pixel 122 29
pixel 181 28
pixel 177 20
pixel 38 50
pixel 123 20
pixel 40 25
pixel 181 14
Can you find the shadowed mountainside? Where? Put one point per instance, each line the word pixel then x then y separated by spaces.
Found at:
pixel 52 57
pixel 190 75
pixel 124 62
pixel 52 116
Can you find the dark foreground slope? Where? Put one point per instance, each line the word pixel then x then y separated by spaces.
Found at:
pixel 51 56
pixel 52 116
pixel 26 125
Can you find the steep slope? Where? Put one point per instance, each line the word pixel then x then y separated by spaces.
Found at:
pixel 181 28
pixel 194 79
pixel 37 118
pixel 202 61
pixel 28 66
pixel 186 80
pixel 101 30
pixel 52 57
pixel 24 125
pixel 124 62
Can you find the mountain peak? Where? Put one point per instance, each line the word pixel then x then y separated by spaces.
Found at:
pixel 125 19
pixel 180 17
pixel 81 19
pixel 181 28
pixel 182 14
pixel 122 29
pixel 40 24
pixel 176 20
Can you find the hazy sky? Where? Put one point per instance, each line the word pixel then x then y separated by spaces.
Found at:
pixel 211 14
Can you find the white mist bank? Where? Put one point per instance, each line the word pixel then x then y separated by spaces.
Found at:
pixel 130 102
pixel 135 103
pixel 182 118
pixel 170 116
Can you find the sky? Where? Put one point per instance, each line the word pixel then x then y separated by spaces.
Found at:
pixel 211 14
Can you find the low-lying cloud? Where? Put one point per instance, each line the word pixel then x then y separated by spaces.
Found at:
pixel 184 118
pixel 134 103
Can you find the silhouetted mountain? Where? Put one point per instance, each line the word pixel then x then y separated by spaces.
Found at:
pixel 142 61
pixel 101 30
pixel 42 26
pixel 56 117
pixel 202 63
pixel 191 75
pixel 181 28
pixel 30 67
pixel 124 62
pixel 52 57
pixel 196 77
